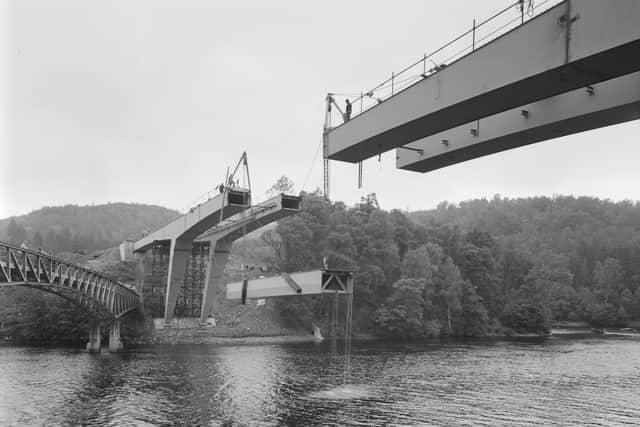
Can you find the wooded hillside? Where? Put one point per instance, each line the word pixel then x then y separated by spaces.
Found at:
pixel 473 268
pixel 73 228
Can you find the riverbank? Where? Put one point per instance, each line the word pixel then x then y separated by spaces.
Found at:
pixel 205 336
pixel 229 335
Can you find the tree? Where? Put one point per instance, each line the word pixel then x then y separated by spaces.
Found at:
pixel 635 305
pixel 473 316
pixel 38 242
pixel 273 240
pixel 297 245
pixel 417 262
pixel 608 276
pixel 282 185
pixel 549 275
pixel 481 269
pixel 444 288
pixel 370 200
pixel 402 314
pixel 16 233
pixel 452 291
pixel 525 317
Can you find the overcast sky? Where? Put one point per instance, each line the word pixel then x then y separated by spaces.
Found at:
pixel 149 101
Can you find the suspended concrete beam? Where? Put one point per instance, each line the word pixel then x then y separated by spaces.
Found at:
pixel 305 283
pixel 572 45
pixel 599 105
pixel 222 236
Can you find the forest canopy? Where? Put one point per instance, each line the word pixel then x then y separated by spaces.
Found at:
pixel 477 268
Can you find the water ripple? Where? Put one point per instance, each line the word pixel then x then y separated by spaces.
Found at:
pixel 558 382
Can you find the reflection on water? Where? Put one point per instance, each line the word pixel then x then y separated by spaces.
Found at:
pixel 345 392
pixel 556 381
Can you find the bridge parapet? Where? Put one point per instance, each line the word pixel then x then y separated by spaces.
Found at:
pixel 99 293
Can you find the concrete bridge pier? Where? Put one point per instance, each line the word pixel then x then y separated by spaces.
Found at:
pixel 218 256
pixel 114 336
pixel 143 269
pixel 178 260
pixel 93 346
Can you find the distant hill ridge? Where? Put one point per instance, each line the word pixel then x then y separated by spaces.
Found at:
pixel 73 228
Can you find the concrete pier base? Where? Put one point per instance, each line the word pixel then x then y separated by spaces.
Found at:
pixel 114 337
pixel 93 346
pixel 218 255
pixel 143 269
pixel 178 260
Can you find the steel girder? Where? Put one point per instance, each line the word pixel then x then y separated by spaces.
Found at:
pixel 95 291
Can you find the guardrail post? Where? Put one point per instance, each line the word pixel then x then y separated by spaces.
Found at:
pixel 392 78
pixel 473 42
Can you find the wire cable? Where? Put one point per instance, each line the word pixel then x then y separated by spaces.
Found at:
pixel 313 164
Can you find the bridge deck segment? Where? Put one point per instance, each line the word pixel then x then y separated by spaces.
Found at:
pixel 572 45
pixel 603 104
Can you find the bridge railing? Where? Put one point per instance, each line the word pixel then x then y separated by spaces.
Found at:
pixel 29 267
pixel 480 34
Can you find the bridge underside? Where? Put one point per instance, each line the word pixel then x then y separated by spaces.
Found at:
pixel 219 240
pixel 91 306
pixel 604 104
pixel 180 233
pixel 574 45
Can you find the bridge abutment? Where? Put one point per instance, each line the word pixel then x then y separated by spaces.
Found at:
pixel 93 346
pixel 115 344
pixel 218 256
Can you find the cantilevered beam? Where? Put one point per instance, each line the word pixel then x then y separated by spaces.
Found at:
pixel 179 235
pixel 198 220
pixel 607 103
pixel 572 45
pixel 256 216
pixel 222 236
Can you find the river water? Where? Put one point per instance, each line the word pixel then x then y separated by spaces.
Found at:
pixel 556 381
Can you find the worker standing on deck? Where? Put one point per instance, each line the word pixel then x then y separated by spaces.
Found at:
pixel 347 112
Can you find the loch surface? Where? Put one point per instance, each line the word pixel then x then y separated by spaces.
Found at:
pixel 555 381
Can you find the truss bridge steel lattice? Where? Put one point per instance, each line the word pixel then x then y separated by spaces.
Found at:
pixel 102 296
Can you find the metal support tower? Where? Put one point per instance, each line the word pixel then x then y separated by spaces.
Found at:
pixel 325 146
